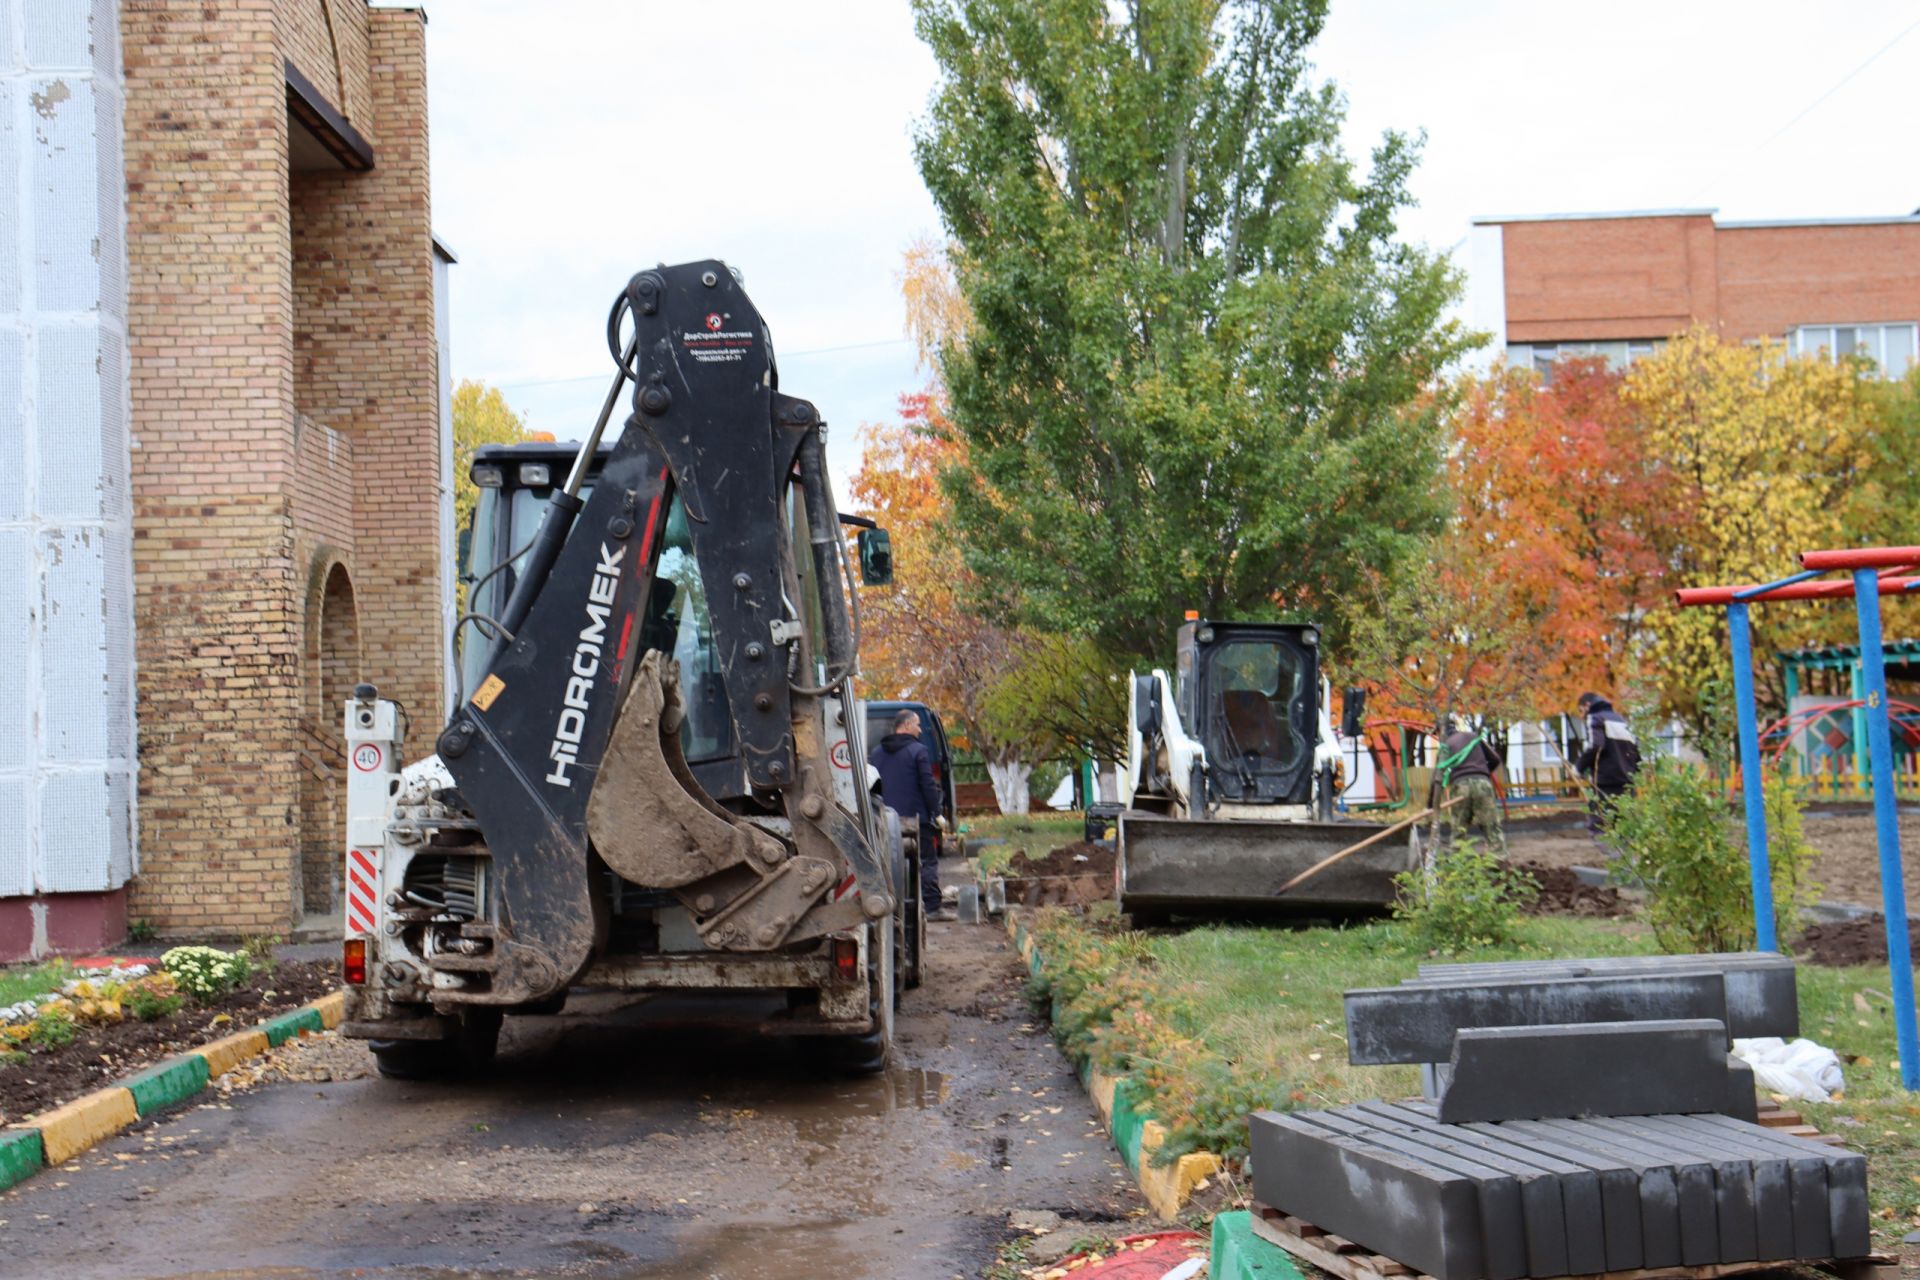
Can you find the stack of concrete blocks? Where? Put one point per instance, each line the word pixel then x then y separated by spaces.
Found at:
pixel 1581 1117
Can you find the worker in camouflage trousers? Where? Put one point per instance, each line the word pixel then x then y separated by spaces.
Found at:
pixel 1468 759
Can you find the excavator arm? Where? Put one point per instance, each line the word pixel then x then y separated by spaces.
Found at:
pixel 566 755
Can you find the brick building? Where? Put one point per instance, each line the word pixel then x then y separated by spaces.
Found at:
pixel 225 455
pixel 1620 284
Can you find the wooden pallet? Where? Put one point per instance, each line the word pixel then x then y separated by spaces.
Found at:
pixel 1774 1116
pixel 1341 1257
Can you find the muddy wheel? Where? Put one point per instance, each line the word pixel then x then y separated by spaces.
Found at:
pixel 866 1054
pixel 468 1051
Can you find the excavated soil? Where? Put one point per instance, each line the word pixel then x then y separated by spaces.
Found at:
pixel 100 1055
pixel 1847 867
pixel 1080 858
pixel 1073 875
pixel 1562 893
pixel 1850 942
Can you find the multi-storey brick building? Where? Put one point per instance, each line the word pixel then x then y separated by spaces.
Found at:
pixel 1620 284
pixel 224 449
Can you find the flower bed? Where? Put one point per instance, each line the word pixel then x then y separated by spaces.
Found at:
pixel 87 1029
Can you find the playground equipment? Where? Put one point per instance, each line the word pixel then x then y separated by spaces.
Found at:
pixel 1874 572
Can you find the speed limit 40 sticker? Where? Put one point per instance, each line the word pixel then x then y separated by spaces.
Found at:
pixel 367 757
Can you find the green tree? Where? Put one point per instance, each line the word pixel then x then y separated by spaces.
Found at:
pixel 481 415
pixel 1195 367
pixel 1060 695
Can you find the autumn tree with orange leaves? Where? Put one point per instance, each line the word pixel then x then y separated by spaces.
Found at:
pixel 1542 582
pixel 1556 492
pixel 921 637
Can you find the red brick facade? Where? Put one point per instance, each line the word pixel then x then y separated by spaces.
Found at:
pixel 285 392
pixel 1589 278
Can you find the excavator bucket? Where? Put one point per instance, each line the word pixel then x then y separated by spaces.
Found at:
pixel 1190 867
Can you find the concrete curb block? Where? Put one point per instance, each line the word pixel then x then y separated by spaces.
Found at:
pixel 1237 1253
pixel 71 1130
pixel 21 1155
pixel 1136 1135
pixel 171 1081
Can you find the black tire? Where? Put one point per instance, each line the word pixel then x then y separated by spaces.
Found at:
pixel 858 1055
pixel 468 1051
pixel 914 915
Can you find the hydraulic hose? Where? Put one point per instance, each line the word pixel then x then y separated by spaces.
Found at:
pixel 565 504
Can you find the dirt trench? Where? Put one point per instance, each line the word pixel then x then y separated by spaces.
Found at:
pixel 612 1141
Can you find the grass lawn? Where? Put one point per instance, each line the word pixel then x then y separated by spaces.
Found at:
pixel 1037 833
pixel 1219 1021
pixel 17 982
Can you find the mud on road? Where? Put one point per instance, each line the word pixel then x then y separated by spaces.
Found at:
pixel 609 1142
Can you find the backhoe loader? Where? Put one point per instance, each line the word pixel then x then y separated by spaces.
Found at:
pixel 1232 773
pixel 653 779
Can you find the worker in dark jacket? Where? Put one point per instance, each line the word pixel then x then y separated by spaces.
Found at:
pixel 908 787
pixel 1611 757
pixel 1468 759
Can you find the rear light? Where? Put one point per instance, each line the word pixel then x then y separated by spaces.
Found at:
pixel 846 958
pixel 353 960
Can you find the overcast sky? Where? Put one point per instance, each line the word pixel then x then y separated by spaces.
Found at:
pixel 575 141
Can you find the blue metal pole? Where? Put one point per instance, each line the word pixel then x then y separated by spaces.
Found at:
pixel 1758 864
pixel 1886 822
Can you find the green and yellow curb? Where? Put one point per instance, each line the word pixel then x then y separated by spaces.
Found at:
pixel 1136 1134
pixel 1237 1253
pixel 67 1131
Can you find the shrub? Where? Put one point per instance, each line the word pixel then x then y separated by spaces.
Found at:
pixel 258 949
pixel 1789 856
pixel 52 1029
pixel 154 997
pixel 206 973
pixel 141 931
pixel 1673 836
pixel 1469 899
pixel 11 1057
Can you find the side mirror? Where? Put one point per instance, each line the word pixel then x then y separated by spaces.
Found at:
pixel 1353 711
pixel 876 557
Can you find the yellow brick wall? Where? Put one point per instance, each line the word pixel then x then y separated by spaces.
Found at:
pixel 327 40
pixel 242 504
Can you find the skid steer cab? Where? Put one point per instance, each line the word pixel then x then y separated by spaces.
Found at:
pixel 1232 771
pixel 653 779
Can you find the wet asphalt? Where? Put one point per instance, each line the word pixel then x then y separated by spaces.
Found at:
pixel 619 1139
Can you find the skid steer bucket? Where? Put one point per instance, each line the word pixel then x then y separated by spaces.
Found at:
pixel 1177 866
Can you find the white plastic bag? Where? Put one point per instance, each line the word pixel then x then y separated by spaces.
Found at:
pixel 1804 1070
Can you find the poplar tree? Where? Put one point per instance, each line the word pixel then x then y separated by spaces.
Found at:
pixel 1195 372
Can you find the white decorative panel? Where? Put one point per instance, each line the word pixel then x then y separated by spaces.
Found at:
pixel 67 745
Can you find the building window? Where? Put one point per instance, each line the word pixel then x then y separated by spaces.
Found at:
pixel 1540 356
pixel 1889 346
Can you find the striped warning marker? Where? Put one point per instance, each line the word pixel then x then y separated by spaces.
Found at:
pixel 363 878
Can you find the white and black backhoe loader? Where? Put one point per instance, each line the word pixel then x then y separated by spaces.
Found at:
pixel 654 778
pixel 1231 778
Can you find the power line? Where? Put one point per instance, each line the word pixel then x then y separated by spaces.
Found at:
pixel 1843 81
pixel 791 355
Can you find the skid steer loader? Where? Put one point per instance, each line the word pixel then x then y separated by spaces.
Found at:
pixel 653 779
pixel 1231 777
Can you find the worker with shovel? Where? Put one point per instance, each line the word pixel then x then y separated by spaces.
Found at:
pixel 1465 773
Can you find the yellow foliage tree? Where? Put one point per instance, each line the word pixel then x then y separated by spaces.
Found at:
pixel 481 415
pixel 1763 451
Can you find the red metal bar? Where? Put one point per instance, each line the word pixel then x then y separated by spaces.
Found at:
pixel 1862 558
pixel 1839 589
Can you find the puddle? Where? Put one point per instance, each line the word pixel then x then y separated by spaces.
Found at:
pixel 826 1119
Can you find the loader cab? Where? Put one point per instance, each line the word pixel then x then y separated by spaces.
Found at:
pixel 515 482
pixel 1250 690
